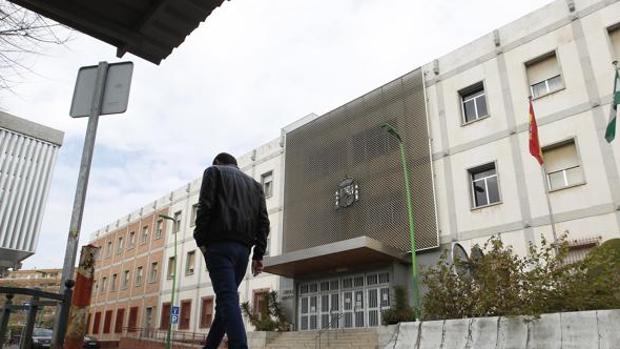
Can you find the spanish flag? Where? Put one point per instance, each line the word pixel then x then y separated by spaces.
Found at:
pixel 534 143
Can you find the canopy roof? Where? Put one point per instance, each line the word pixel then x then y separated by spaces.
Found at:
pixel 149 29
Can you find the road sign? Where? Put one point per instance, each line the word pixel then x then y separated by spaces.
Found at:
pixel 174 310
pixel 174 319
pixel 115 92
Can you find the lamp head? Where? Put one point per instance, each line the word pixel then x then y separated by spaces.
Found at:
pixel 391 130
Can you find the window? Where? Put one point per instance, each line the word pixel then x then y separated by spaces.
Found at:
pixel 186 310
pixel 144 237
pixel 579 249
pixel 192 220
pixel 153 272
pixel 97 323
pixel 190 261
pixel 267 182
pixel 119 245
pixel 268 246
pixel 159 229
pixel 125 281
pixel 120 318
pixel 562 165
pixel 473 103
pixel 177 222
pixel 206 313
pixel 132 323
pixel 104 284
pixel 544 76
pixel 109 252
pixel 132 239
pixel 107 321
pixel 614 37
pixel 172 265
pixel 484 185
pixel 164 322
pixel 113 282
pixel 139 276
pixel 148 317
pixel 260 302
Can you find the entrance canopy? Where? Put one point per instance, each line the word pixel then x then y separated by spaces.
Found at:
pixel 348 255
pixel 149 29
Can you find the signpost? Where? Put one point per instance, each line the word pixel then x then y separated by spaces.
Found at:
pixel 99 90
pixel 174 315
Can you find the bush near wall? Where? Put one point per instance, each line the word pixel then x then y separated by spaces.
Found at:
pixel 502 284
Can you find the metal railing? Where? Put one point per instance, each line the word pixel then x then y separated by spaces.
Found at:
pixel 330 326
pixel 38 300
pixel 158 334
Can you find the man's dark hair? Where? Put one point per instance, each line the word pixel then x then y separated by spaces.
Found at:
pixel 224 159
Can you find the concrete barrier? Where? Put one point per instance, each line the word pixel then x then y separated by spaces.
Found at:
pixel 572 330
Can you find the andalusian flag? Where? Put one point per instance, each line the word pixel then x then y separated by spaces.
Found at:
pixel 610 132
pixel 534 143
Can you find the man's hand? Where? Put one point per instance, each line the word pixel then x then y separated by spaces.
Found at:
pixel 257 267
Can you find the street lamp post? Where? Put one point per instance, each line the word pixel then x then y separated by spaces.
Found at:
pixel 174 282
pixel 414 263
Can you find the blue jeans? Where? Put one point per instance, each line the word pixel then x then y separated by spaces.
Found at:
pixel 227 263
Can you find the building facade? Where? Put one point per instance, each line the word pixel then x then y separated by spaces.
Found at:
pixel 27 155
pixel 44 279
pixel 473 125
pixel 136 262
pixel 339 240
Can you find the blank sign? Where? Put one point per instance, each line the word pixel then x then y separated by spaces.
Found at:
pixel 115 95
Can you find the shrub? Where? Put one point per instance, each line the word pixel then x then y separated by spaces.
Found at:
pixel 270 317
pixel 503 283
pixel 400 311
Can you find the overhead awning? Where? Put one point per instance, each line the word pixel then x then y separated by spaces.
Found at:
pixel 343 256
pixel 149 29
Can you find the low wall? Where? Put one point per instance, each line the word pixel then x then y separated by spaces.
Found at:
pixel 588 329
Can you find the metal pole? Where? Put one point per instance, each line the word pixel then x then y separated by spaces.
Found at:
pixel 174 281
pixel 80 192
pixel 26 339
pixel 414 262
pixel 80 302
pixel 4 321
pixel 547 186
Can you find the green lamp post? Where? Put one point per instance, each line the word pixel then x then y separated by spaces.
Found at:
pixel 174 282
pixel 414 264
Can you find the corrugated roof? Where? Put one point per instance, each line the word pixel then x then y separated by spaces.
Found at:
pixel 150 29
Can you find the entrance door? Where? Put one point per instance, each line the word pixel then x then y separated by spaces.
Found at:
pixel 358 308
pixel 347 304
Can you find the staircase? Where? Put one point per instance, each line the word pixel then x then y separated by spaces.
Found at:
pixel 326 339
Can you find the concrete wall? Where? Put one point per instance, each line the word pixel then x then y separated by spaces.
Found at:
pixel 588 329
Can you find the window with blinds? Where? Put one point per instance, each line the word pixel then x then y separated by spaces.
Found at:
pixel 544 75
pixel 563 166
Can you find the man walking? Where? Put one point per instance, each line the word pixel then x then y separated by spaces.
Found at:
pixel 231 218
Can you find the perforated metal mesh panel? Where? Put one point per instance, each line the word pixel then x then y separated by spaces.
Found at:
pixel 348 142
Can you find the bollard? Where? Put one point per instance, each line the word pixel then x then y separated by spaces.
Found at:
pixel 61 327
pixel 26 338
pixel 80 302
pixel 4 321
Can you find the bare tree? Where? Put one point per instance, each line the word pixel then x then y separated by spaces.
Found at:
pixel 24 33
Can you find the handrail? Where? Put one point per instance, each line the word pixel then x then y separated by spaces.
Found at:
pixel 33 307
pixel 317 339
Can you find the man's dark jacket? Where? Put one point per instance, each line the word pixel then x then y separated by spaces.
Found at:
pixel 231 207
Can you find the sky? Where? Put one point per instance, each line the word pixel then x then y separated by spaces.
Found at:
pixel 250 69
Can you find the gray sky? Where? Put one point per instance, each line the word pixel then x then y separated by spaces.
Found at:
pixel 250 69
